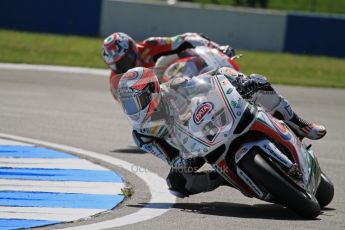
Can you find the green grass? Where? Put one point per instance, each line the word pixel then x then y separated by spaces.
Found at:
pixel 33 48
pixel 323 6
pixel 294 69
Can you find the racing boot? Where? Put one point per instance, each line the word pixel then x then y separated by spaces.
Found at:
pixel 300 126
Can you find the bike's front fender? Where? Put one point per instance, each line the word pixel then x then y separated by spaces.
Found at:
pixel 302 159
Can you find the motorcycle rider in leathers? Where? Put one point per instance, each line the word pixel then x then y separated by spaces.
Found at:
pixel 121 53
pixel 144 101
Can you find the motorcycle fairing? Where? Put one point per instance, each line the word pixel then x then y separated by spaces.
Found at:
pixel 304 160
pixel 210 122
pixel 213 57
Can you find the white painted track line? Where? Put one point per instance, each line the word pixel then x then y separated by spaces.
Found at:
pixel 99 188
pixel 10 142
pixel 49 163
pixel 161 199
pixel 55 214
pixel 52 68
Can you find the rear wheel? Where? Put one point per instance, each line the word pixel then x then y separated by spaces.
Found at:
pixel 288 195
pixel 325 191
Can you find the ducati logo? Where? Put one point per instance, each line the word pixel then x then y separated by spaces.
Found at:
pixel 202 110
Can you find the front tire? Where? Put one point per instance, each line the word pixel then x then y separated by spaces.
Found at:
pixel 325 191
pixel 260 171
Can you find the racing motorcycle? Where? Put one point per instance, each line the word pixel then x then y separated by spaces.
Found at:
pixel 254 152
pixel 193 62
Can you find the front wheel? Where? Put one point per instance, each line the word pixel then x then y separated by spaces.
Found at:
pixel 325 191
pixel 261 172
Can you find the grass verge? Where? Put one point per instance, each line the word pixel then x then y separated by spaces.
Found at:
pixel 33 48
pixel 319 6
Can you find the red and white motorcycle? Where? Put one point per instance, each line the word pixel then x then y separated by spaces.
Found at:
pixel 256 153
pixel 193 62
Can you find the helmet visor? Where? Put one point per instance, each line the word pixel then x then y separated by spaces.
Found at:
pixel 135 104
pixel 127 62
pixel 120 64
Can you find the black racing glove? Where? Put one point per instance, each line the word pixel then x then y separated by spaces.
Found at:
pixel 227 50
pixel 248 86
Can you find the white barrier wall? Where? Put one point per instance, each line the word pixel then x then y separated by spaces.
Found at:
pixel 243 29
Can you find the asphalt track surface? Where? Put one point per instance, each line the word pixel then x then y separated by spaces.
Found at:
pixel 77 110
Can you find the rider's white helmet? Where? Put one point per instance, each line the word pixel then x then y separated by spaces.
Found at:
pixel 139 94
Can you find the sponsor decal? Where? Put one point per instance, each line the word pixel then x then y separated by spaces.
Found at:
pixel 131 75
pixel 125 92
pixel 243 150
pixel 273 153
pixel 276 155
pixel 237 104
pixel 249 182
pixel 185 140
pixel 240 153
pixel 202 110
pixel 230 91
pixel 282 129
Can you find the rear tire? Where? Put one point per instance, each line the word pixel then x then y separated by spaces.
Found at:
pixel 325 192
pixel 260 171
